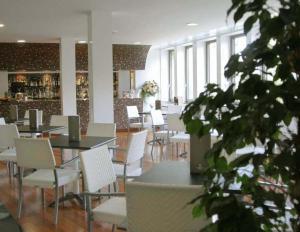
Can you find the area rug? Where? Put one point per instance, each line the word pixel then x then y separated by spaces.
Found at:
pixel 7 222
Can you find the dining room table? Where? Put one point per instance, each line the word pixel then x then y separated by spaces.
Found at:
pixel 63 142
pixel 37 130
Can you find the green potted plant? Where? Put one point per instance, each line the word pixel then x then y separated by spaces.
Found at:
pixel 254 112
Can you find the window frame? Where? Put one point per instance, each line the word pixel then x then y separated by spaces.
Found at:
pixel 186 62
pixel 171 54
pixel 207 59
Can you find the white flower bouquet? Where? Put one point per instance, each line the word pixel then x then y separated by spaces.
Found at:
pixel 149 88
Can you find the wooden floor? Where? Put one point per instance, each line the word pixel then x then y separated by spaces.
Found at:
pixel 72 217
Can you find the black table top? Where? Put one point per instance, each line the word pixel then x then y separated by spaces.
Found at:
pixel 86 142
pixel 171 172
pixel 40 129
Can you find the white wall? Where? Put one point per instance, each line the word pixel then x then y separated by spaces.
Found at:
pixel 3 82
pixel 151 72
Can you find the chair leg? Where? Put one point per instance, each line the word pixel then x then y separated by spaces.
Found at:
pixel 56 205
pixel 89 220
pixel 43 197
pixel 113 227
pixel 20 202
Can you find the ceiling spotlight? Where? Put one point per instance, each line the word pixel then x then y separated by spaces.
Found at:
pixel 82 41
pixel 21 41
pixel 2 25
pixel 192 24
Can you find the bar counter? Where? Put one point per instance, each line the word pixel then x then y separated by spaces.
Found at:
pixel 53 107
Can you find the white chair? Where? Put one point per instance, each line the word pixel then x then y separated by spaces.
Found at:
pixel 133 163
pixel 159 129
pixel 174 109
pixel 8 134
pixel 103 130
pixel 2 121
pixel 134 119
pixel 98 172
pixel 177 129
pixel 159 207
pixel 40 122
pixel 40 117
pixel 60 120
pixel 38 154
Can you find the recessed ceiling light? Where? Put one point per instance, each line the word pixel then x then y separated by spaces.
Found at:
pixel 2 25
pixel 192 24
pixel 82 41
pixel 137 43
pixel 21 41
pixel 115 31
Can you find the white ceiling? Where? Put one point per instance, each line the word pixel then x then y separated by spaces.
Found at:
pixel 153 22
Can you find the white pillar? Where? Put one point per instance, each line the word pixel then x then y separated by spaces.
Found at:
pixel 195 69
pixel 100 66
pixel 67 76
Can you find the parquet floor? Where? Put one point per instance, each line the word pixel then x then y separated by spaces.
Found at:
pixel 72 218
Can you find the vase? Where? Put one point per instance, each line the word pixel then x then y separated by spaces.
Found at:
pixel 149 103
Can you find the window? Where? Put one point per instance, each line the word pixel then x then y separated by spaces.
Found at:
pixel 171 75
pixel 238 44
pixel 189 73
pixel 211 62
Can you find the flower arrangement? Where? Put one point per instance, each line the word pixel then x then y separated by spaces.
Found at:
pixel 149 88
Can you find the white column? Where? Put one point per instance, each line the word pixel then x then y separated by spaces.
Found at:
pixel 219 66
pixel 225 55
pixel 67 76
pixel 100 66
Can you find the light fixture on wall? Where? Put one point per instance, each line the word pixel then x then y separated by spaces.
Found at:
pixel 2 25
pixel 21 41
pixel 192 24
pixel 82 41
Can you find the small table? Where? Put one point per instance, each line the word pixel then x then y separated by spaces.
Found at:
pixel 171 172
pixel 39 130
pixel 86 143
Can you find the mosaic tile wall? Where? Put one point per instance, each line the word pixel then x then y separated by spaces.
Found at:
pixel 40 57
pixel 53 107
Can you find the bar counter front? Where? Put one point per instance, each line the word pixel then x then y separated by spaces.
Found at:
pixel 53 107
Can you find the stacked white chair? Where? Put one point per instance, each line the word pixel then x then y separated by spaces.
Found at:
pixel 177 129
pixel 132 165
pixel 159 128
pixel 37 154
pixel 60 120
pixel 98 172
pixel 160 207
pixel 8 134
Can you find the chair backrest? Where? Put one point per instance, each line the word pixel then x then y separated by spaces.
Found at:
pixel 8 134
pixel 60 120
pixel 34 153
pixel 40 117
pixel 175 123
pixel 157 207
pixel 174 109
pixel 136 147
pixel 2 121
pixel 101 129
pixel 132 112
pixel 97 168
pixel 157 118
